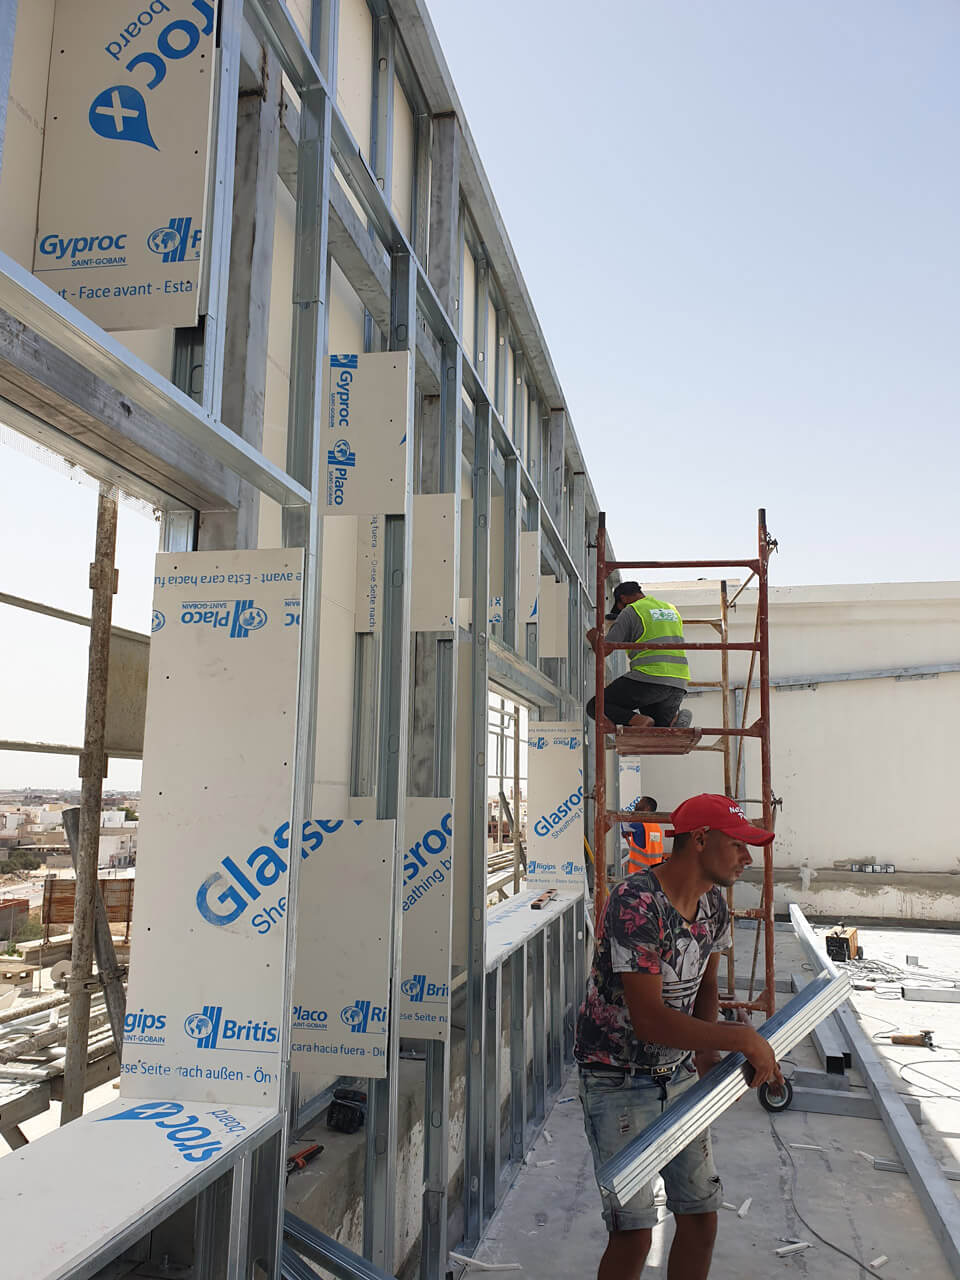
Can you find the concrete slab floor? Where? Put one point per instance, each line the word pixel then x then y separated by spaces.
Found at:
pixel 550 1221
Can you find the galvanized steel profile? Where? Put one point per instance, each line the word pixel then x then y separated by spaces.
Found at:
pixel 644 1157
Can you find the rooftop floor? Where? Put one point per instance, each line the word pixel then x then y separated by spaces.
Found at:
pixel 550 1220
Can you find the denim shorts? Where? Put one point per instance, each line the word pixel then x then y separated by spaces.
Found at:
pixel 618 1106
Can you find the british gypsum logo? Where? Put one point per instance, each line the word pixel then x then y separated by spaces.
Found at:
pixel 210 1030
pixel 419 991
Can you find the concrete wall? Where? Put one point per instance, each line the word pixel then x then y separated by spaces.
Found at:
pixel 865 766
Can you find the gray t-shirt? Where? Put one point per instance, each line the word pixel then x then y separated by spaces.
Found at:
pixel 628 626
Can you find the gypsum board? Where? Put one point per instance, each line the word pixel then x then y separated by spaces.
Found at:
pixel 643 1157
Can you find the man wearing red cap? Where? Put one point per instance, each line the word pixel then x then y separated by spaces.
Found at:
pixel 651 1006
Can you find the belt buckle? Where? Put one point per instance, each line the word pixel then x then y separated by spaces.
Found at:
pixel 658 1072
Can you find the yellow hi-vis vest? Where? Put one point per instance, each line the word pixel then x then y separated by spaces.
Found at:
pixel 661 621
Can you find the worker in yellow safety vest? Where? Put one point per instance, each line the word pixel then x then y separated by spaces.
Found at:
pixel 644 839
pixel 652 690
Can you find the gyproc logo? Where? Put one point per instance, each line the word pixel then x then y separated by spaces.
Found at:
pixel 195 1141
pixel 359 1015
pixel 158 621
pixel 212 1030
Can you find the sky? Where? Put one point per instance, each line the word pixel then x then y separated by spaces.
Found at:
pixel 739 222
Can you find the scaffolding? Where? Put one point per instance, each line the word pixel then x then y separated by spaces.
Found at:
pixel 628 741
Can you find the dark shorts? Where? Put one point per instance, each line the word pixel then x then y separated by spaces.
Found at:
pixel 625 697
pixel 617 1107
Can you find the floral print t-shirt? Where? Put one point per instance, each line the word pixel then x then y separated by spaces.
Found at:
pixel 642 932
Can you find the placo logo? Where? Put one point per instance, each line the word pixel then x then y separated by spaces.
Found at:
pixel 172 241
pixel 212 1030
pixel 342 454
pixel 307 1018
pixel 143 1027
pixel 359 1016
pixel 241 616
pixel 119 112
pixel 158 621
pixel 419 991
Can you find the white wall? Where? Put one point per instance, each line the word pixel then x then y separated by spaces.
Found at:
pixel 865 768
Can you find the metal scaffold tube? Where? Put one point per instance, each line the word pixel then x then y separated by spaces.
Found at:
pixel 669 741
pixel 93 768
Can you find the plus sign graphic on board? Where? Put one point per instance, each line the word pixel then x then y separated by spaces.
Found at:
pixel 120 115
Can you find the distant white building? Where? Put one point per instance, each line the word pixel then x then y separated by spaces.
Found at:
pixel 118 848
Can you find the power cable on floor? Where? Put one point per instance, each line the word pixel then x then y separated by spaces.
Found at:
pixel 782 1146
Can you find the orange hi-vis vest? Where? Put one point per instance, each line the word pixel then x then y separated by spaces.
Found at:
pixel 640 859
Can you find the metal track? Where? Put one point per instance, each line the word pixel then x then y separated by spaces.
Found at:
pixel 642 1158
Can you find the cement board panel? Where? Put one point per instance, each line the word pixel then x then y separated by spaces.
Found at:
pixel 205 1001
pixel 432 587
pixel 423 1004
pixel 341 983
pixel 370 573
pixel 367 461
pixel 555 805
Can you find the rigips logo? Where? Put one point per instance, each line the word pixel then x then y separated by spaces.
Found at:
pixel 359 1016
pixel 143 1027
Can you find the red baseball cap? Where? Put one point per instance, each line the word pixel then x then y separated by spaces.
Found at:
pixel 720 813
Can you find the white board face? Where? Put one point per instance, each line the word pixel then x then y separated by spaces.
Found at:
pixel 369 573
pixel 205 1000
pixel 433 583
pixel 370 420
pixel 341 981
pixel 555 805
pixel 631 789
pixel 423 1002
pixel 122 194
pixel 554 628
pixel 528 585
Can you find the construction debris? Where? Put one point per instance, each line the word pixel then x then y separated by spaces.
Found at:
pixel 878 1262
pixel 474 1264
pixel 745 1207
pixel 792 1248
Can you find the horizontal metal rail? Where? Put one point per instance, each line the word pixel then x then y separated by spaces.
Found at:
pixel 329 1253
pixel 610 646
pixel 644 1157
pixel 932 1189
pixel 683 564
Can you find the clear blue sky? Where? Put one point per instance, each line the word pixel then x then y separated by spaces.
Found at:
pixel 739 222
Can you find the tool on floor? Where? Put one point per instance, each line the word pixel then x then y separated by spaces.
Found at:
pixel 347 1111
pixel 300 1159
pixel 539 903
pixel 920 1039
pixel 843 944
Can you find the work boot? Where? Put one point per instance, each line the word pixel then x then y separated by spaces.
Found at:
pixel 683 720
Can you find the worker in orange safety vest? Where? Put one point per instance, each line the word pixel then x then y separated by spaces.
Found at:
pixel 644 839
